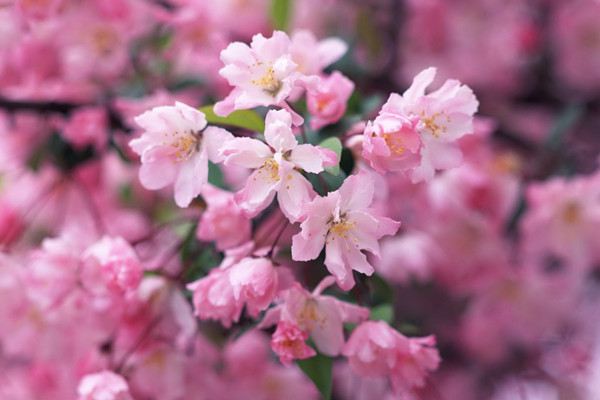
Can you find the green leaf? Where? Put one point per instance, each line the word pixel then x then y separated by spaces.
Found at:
pixel 383 312
pixel 246 119
pixel 318 369
pixel 281 11
pixel 334 144
pixel 215 176
pixel 380 289
pixel 563 124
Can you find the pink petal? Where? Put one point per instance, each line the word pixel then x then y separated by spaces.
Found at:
pixel 419 84
pixel 157 174
pixel 307 244
pixel 335 263
pixel 356 192
pixel 245 152
pixel 192 115
pixel 213 139
pixel 330 50
pixel 278 131
pixel 308 157
pixel 192 176
pixel 328 335
pixel 258 193
pixel 293 195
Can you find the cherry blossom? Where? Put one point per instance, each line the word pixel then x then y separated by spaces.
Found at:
pixel 225 291
pixel 320 316
pixel 375 349
pixel 288 342
pixel 105 385
pixel 343 223
pixel 222 221
pixel 262 74
pixel 327 101
pixel 175 148
pixel 441 117
pixel 113 262
pixel 277 165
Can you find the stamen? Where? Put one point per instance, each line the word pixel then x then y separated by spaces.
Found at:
pixel 185 145
pixel 394 143
pixel 271 168
pixel 268 82
pixel 432 123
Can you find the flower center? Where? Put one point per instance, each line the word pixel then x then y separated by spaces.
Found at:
pixel 394 142
pixel 185 145
pixel 433 125
pixel 309 315
pixel 104 39
pixel 571 213
pixel 341 228
pixel 268 82
pixel 271 169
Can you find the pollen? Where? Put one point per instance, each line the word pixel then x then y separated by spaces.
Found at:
pixel 185 146
pixel 394 143
pixel 104 40
pixel 271 169
pixel 268 82
pixel 342 228
pixel 572 213
pixel 433 125
pixel 309 315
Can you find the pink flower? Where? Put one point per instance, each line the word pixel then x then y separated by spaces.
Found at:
pixel 112 264
pixel 561 220
pixel 276 167
pixel 221 295
pixel 322 317
pixel 262 74
pixel 574 34
pixel 175 147
pixel 375 349
pixel 105 385
pixel 312 56
pixel 289 343
pixel 222 221
pixel 327 101
pixel 87 127
pixel 391 143
pixel 344 224
pixel 439 119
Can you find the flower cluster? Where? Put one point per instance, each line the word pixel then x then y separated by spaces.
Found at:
pixel 191 209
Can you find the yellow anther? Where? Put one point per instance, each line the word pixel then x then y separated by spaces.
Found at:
pixel 309 315
pixel 341 228
pixel 572 213
pixel 394 143
pixel 185 146
pixel 268 82
pixel 432 123
pixel 271 168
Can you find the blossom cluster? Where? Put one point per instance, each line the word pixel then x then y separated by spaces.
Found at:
pixel 227 200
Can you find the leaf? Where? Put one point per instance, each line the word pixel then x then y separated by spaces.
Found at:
pixel 215 176
pixel 383 312
pixel 246 119
pixel 324 182
pixel 334 144
pixel 318 369
pixel 565 121
pixel 380 290
pixel 281 11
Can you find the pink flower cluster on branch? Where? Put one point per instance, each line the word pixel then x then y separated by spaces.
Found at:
pixel 414 133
